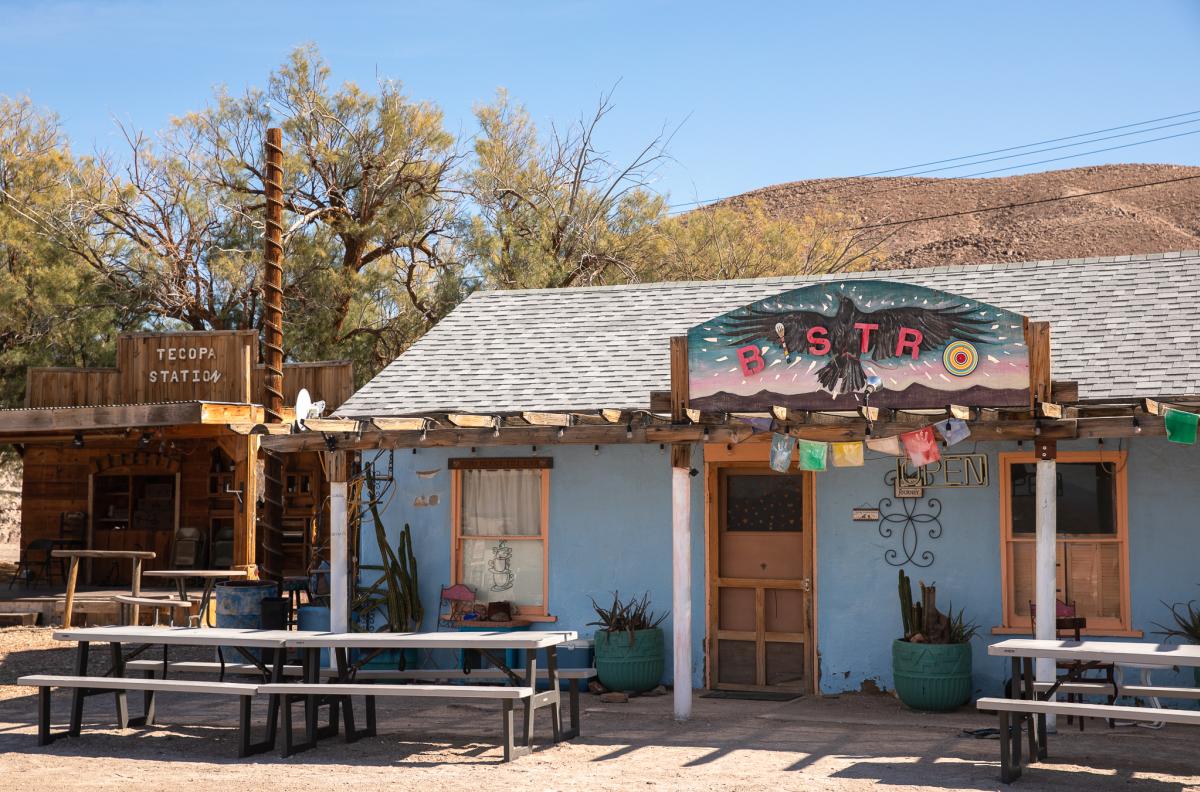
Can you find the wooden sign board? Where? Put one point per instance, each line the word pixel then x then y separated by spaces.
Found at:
pixel 199 366
pixel 814 348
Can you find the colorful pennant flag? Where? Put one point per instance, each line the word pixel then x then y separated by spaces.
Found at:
pixel 813 454
pixel 781 452
pixel 847 454
pixel 953 430
pixel 921 446
pixel 1181 426
pixel 885 445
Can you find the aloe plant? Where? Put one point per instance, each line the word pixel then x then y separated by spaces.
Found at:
pixel 628 616
pixel 1187 622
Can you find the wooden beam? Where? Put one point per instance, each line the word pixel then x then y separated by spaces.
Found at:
pixel 960 412
pixel 612 416
pixel 332 425
pixel 469 421
pixel 528 435
pixel 1064 391
pixel 1037 342
pixel 1050 410
pixel 134 416
pixel 547 418
pixel 400 424
pixel 679 378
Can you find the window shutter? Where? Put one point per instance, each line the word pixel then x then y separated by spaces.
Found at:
pixel 1022 576
pixel 1094 578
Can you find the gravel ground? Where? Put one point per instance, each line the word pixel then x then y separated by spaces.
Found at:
pixel 845 743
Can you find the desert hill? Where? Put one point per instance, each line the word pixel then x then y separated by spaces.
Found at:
pixel 1148 220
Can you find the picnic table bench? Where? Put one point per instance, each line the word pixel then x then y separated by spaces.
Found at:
pixel 492 645
pixel 1031 701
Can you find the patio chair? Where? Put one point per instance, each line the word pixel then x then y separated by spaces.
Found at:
pixel 222 548
pixel 35 563
pixel 455 602
pixel 187 549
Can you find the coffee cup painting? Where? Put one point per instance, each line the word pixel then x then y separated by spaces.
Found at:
pixel 814 348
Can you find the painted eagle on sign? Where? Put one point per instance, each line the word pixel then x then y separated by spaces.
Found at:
pixel 814 347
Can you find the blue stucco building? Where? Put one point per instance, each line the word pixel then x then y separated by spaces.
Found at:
pixel 823 621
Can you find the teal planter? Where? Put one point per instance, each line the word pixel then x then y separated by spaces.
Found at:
pixel 932 677
pixel 625 665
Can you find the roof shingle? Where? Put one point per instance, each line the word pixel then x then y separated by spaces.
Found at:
pixel 1121 327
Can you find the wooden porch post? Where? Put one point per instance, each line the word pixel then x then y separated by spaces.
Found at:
pixel 681 535
pixel 1037 340
pixel 337 465
pixel 243 450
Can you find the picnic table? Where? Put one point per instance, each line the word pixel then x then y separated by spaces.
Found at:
pixel 492 645
pixel 316 687
pixel 1032 701
pixel 84 685
pixel 136 556
pixel 210 577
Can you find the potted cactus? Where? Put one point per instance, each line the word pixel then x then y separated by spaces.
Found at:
pixel 629 644
pixel 931 664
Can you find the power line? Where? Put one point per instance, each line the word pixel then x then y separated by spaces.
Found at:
pixel 1022 204
pixel 840 182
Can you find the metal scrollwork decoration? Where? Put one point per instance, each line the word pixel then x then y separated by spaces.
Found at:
pixel 913 523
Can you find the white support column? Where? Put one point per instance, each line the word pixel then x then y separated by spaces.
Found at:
pixel 339 572
pixel 681 565
pixel 1045 594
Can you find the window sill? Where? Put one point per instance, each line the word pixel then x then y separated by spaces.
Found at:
pixel 1095 632
pixel 534 618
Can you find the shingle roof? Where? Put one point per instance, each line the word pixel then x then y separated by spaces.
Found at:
pixel 1124 326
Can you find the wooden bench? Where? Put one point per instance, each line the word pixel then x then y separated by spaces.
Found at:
pixel 130 604
pixel 87 685
pixel 506 694
pixel 1010 733
pixel 574 677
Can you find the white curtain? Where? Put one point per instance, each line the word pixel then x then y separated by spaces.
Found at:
pixel 501 502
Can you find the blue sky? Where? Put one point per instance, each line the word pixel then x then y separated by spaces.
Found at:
pixel 764 92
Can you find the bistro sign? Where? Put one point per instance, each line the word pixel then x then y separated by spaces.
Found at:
pixel 815 348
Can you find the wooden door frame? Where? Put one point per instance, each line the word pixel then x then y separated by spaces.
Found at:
pixel 750 456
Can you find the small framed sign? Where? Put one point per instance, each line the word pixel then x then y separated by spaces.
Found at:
pixel 864 514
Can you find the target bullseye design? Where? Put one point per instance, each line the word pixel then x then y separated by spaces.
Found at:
pixel 960 358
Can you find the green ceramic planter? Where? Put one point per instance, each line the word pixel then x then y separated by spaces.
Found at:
pixel 629 666
pixel 933 677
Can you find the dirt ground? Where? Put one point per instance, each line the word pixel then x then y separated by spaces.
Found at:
pixel 844 743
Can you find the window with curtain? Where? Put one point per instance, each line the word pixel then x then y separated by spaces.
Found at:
pixel 1092 537
pixel 500 526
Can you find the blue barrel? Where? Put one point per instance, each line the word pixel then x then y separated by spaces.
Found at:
pixel 239 606
pixel 239 602
pixel 317 619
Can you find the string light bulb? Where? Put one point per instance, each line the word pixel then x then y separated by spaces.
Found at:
pixel 596 450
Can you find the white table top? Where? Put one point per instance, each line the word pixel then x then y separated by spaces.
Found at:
pixel 1101 651
pixel 195 573
pixel 521 639
pixel 184 636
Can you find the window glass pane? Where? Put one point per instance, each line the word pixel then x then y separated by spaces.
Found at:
pixel 1085 498
pixel 501 502
pixel 763 503
pixel 500 570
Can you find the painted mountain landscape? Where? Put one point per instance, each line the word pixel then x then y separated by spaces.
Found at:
pixel 824 347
